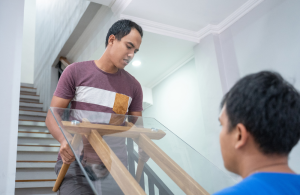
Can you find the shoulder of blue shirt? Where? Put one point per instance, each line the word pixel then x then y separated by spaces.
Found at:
pixel 251 182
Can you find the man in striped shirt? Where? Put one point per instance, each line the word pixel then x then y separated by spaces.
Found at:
pixel 96 86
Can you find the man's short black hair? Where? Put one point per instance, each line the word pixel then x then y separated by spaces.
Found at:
pixel 269 108
pixel 122 28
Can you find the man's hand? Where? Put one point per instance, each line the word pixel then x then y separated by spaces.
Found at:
pixel 66 153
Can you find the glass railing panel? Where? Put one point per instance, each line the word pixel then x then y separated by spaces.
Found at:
pixel 107 149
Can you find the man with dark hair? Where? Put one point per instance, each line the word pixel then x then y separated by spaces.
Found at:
pixel 95 86
pixel 260 121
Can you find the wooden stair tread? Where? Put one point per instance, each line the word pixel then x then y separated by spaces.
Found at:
pixel 31 102
pixel 28 94
pixel 32 111
pixel 33 132
pixel 37 145
pixel 28 87
pixel 36 180
pixel 28 161
pixel 31 120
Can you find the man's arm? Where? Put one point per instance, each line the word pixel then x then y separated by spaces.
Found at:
pixel 135 113
pixel 65 150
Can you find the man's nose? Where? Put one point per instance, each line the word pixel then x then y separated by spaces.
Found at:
pixel 131 55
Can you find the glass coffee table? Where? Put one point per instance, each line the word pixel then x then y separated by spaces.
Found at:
pixel 123 154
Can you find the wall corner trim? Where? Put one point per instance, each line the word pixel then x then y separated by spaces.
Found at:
pixel 189 35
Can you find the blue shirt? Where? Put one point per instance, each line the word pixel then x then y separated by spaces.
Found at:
pixel 266 183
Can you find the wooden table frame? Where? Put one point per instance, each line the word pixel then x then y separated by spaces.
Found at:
pixel 142 137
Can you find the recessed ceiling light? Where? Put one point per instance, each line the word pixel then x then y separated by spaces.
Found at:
pixel 136 63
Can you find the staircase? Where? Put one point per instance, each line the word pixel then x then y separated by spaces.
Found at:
pixel 37 149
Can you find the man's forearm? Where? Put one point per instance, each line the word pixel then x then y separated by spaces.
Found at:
pixel 54 129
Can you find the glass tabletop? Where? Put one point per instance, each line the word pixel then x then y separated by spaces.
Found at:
pixel 123 154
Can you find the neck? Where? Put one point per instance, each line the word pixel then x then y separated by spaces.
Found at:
pixel 263 163
pixel 105 64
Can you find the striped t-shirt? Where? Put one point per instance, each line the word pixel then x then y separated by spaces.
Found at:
pixel 95 90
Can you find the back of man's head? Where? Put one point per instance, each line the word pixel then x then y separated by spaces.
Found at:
pixel 269 108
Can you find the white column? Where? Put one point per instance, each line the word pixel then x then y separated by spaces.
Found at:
pixel 217 71
pixel 226 57
pixel 11 25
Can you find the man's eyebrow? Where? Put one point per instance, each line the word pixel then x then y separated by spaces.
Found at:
pixel 132 45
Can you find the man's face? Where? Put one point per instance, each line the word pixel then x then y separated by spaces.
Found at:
pixel 122 52
pixel 227 142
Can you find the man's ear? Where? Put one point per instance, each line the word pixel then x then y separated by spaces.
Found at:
pixel 242 136
pixel 111 39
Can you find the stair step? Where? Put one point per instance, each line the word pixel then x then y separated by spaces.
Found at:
pixel 29 90
pixel 37 156
pixel 35 165
pixel 38 148
pixel 36 138
pixel 32 113
pixel 32 128
pixel 35 184
pixel 40 145
pixel 32 118
pixel 35 191
pixel 27 85
pixel 34 97
pixel 32 106
pixel 36 173
pixel 34 135
pixel 30 98
pixel 26 93
pixel 32 123
pixel 34 131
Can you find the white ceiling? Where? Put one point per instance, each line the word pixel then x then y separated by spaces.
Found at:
pixel 162 53
pixel 158 54
pixel 188 14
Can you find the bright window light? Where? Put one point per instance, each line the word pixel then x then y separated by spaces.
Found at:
pixel 136 63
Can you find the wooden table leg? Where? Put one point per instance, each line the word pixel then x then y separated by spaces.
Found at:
pixel 60 177
pixel 121 175
pixel 139 170
pixel 173 170
pixel 64 168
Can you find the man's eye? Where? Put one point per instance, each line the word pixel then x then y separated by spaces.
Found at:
pixel 128 47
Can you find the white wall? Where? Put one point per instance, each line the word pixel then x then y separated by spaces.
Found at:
pixel 11 22
pixel 268 39
pixel 178 105
pixel 187 102
pixel 28 42
pixel 177 99
pixel 55 21
pixel 91 43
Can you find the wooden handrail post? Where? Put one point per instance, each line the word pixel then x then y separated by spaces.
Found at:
pixel 64 168
pixel 139 170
